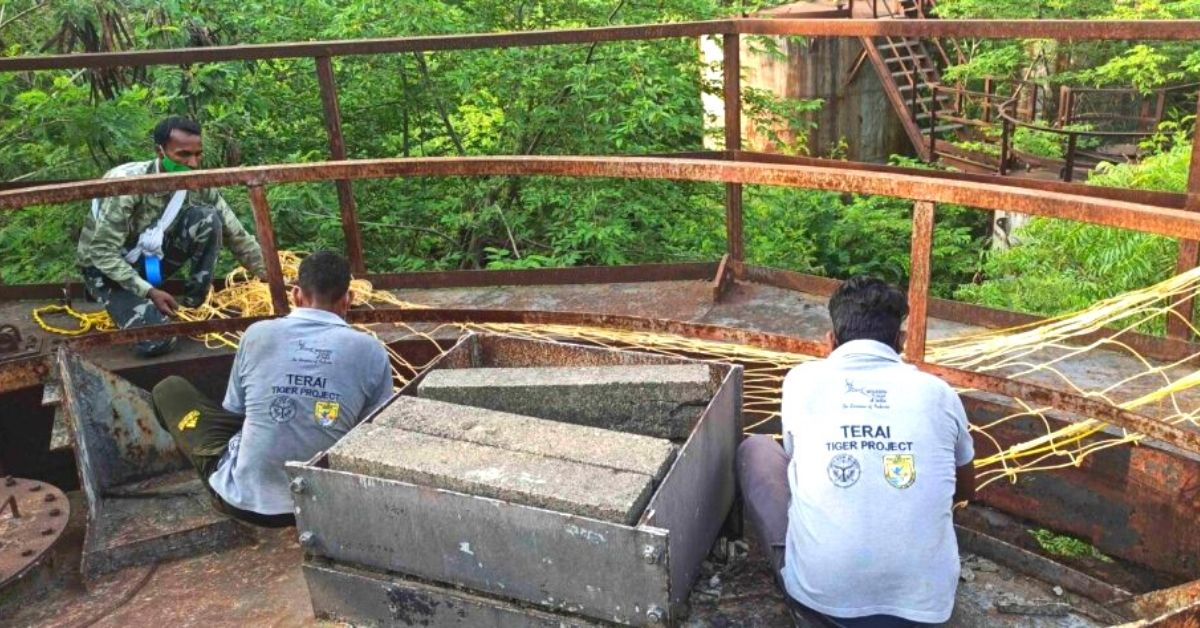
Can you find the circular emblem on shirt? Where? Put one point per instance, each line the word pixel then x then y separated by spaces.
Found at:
pixel 844 470
pixel 900 470
pixel 283 409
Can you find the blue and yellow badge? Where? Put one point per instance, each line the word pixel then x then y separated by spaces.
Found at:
pixel 900 470
pixel 189 420
pixel 326 412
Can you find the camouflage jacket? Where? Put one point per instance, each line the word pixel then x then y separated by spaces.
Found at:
pixel 103 241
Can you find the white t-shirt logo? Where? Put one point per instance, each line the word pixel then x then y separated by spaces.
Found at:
pixel 844 470
pixel 900 470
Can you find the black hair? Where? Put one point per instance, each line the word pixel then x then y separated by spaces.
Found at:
pixel 867 308
pixel 325 276
pixel 162 131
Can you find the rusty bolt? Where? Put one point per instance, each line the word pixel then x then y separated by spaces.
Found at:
pixel 49 497
pixel 649 554
pixel 656 615
pixel 308 540
pixel 27 553
pixel 10 481
pixel 299 485
pixel 35 488
pixel 47 531
pixel 54 512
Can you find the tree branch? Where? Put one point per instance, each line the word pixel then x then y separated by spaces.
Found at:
pixel 14 18
pixel 441 107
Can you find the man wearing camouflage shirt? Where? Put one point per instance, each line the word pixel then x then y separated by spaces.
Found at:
pixel 131 244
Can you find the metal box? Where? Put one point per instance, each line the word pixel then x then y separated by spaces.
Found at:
pixel 506 556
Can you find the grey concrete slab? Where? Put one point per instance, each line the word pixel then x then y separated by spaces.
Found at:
pixel 514 432
pixel 654 400
pixel 551 483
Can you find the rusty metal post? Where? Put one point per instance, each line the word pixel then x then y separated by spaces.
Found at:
pixel 1069 169
pixel 337 150
pixel 1069 111
pixel 933 111
pixel 266 239
pixel 918 282
pixel 987 100
pixel 732 69
pixel 1189 250
pixel 1005 139
pixel 1063 96
pixel 912 107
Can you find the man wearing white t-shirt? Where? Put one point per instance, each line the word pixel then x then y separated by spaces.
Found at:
pixel 855 508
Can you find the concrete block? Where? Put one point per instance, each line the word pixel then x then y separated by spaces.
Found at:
pixel 664 401
pixel 551 483
pixel 591 445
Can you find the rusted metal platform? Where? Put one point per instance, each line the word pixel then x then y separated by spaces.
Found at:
pixel 1137 504
pixel 1121 499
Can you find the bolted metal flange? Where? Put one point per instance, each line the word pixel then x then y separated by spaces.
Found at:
pixel 656 615
pixel 31 520
pixel 298 485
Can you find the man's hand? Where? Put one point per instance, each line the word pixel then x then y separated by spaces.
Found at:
pixel 162 300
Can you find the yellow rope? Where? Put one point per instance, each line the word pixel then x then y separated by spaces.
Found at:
pixel 84 321
pixel 1040 350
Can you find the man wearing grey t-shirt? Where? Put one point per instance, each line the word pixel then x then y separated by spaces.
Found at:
pixel 854 509
pixel 298 384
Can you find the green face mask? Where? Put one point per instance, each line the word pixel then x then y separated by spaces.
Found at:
pixel 171 165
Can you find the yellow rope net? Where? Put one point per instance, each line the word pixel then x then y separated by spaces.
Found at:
pixel 1047 352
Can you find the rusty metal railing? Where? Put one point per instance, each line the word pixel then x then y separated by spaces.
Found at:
pixel 1169 215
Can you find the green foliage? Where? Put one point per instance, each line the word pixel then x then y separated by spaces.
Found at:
pixel 783 122
pixel 1143 65
pixel 613 98
pixel 1052 145
pixel 1064 266
pixel 838 235
pixel 1063 545
pixel 987 148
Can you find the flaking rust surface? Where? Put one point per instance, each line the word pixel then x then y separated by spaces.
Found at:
pixel 253 585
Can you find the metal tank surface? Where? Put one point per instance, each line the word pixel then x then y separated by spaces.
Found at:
pixel 382 551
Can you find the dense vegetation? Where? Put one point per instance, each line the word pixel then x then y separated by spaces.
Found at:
pixel 614 98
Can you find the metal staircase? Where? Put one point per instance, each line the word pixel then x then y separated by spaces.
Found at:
pixel 908 67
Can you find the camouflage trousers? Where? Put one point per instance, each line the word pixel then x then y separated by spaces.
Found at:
pixel 193 240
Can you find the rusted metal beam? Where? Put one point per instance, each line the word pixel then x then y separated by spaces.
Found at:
pixel 1181 313
pixel 1033 394
pixel 1154 347
pixel 544 276
pixel 985 29
pixel 732 75
pixel 1189 250
pixel 266 240
pixel 1162 199
pixel 1146 218
pixel 391 45
pixel 1024 561
pixel 918 281
pixel 1163 601
pixel 990 29
pixel 1036 395
pixel 337 150
pixel 723 280
pixel 24 372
